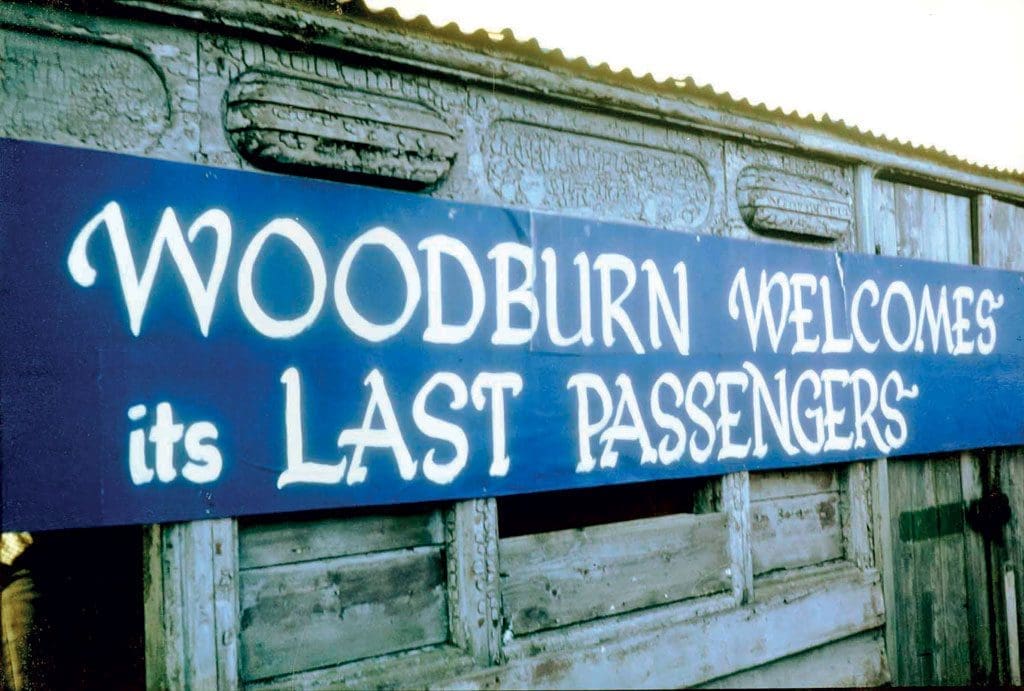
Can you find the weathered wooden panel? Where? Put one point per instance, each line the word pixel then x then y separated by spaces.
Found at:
pixel 409 669
pixel 855 514
pixel 931 595
pixel 666 650
pixel 296 617
pixel 795 531
pixel 559 578
pixel 266 542
pixel 792 483
pixel 1007 466
pixel 920 223
pixel 855 661
pixel 931 640
pixel 1000 234
pixel 735 503
pixel 191 605
pixel 474 601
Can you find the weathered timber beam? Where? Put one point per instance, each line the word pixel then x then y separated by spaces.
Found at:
pixel 489 67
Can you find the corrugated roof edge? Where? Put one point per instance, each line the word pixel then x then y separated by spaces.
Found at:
pixel 531 50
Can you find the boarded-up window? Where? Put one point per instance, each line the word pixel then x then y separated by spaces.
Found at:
pixel 568 557
pixel 325 589
pixel 795 519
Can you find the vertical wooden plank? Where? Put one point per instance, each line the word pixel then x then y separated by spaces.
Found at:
pixel 874 214
pixel 907 232
pixel 474 605
pixel 915 596
pixel 918 481
pixel 858 478
pixel 958 229
pixel 881 520
pixel 950 553
pixel 225 602
pixel 1012 637
pixel 191 605
pixel 162 644
pixel 879 229
pixel 856 516
pixel 863 203
pixel 935 226
pixel 964 230
pixel 736 504
pixel 979 620
pixel 989 248
pixel 198 608
pixel 883 219
pixel 1007 468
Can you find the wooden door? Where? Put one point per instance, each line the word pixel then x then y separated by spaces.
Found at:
pixel 939 621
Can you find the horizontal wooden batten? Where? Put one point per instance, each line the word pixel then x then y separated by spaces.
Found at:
pixel 563 577
pixel 795 531
pixel 855 661
pixel 265 544
pixel 408 669
pixel 301 616
pixel 793 483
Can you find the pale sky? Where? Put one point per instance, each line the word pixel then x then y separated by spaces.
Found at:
pixel 948 73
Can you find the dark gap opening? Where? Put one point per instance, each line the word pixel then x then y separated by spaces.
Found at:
pixel 337 514
pixel 86 589
pixel 524 514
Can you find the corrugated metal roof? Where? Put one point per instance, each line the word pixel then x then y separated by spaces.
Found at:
pixel 530 49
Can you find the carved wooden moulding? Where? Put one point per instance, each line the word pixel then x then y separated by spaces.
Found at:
pixel 546 168
pixel 66 90
pixel 278 120
pixel 771 199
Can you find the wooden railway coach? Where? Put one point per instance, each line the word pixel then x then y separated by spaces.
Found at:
pixel 625 527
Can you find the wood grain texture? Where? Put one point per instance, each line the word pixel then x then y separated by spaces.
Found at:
pixel 736 504
pixel 856 661
pixel 881 521
pixel 191 605
pixel 930 592
pixel 405 670
pixel 1000 244
pixel 792 483
pixel 286 542
pixel 471 551
pixel 979 620
pixel 915 222
pixel 855 501
pixel 795 531
pixel 669 651
pixel 301 616
pixel 560 578
pixel 931 580
pixel 1000 233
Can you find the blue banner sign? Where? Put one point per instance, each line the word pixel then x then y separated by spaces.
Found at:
pixel 183 342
